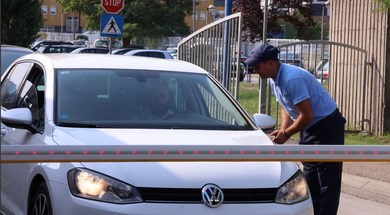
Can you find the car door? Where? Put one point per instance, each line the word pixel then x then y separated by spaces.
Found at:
pixel 21 88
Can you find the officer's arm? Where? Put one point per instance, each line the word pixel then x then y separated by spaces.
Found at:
pixel 303 120
pixel 286 120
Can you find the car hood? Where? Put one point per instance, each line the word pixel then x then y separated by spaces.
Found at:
pixel 181 174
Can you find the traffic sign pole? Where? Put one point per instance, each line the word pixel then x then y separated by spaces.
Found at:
pixel 112 7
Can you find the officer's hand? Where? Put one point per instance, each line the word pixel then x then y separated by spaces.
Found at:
pixel 279 137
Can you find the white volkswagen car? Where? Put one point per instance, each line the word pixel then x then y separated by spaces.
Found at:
pixel 113 100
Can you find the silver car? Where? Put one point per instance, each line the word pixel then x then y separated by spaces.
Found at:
pixel 110 101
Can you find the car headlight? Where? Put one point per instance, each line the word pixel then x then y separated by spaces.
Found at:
pixel 294 190
pixel 92 185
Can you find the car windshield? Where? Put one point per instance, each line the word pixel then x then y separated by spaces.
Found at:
pixel 144 99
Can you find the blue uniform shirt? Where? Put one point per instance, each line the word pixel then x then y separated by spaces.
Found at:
pixel 294 85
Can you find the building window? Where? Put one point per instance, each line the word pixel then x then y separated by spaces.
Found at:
pixel 44 9
pixel 202 15
pixel 48 29
pixel 69 26
pixel 219 3
pixel 53 10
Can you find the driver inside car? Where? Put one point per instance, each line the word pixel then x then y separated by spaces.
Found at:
pixel 155 103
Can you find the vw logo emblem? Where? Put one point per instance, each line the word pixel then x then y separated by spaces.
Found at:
pixel 212 195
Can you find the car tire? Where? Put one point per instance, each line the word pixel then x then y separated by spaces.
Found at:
pixel 242 77
pixel 40 203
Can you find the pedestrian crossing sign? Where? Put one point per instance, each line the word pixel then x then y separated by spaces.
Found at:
pixel 111 25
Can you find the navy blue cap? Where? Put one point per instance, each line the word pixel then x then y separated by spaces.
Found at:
pixel 262 53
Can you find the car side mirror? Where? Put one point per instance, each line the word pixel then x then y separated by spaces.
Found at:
pixel 264 121
pixel 18 118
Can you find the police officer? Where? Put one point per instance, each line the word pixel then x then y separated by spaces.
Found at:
pixel 308 109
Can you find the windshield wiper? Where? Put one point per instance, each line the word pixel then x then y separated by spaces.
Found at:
pixel 78 125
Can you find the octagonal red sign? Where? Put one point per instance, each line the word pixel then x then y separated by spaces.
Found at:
pixel 113 6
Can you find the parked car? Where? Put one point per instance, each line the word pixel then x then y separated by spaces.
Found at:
pixel 293 58
pixel 91 50
pixel 130 47
pixel 83 100
pixel 243 71
pixel 9 53
pixel 122 51
pixel 172 51
pixel 38 44
pixel 103 43
pixel 322 68
pixel 56 49
pixel 150 53
pixel 81 43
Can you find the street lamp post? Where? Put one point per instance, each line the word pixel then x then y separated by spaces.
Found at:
pixel 263 82
pixel 210 10
pixel 322 18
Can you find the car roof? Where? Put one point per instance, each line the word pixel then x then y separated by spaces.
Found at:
pixel 122 50
pixel 6 47
pixel 9 53
pixel 94 61
pixel 81 49
pixel 146 50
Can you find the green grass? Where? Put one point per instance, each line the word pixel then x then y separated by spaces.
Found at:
pixel 249 99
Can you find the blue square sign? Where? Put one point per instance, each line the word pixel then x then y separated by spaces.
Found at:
pixel 111 25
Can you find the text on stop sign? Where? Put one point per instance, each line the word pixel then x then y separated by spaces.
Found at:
pixel 112 2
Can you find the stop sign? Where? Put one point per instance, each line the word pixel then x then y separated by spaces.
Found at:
pixel 113 6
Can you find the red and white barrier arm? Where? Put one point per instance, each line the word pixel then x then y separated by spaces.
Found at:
pixel 190 153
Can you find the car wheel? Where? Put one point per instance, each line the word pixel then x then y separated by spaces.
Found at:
pixel 242 76
pixel 40 203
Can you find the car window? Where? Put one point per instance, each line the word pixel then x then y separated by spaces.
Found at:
pixel 101 51
pixel 11 85
pixel 87 51
pixel 144 54
pixel 156 55
pixel 326 66
pixel 127 98
pixel 24 87
pixel 322 64
pixel 117 45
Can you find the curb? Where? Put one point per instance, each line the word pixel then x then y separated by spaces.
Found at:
pixel 369 184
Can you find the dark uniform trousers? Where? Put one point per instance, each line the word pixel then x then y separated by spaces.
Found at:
pixel 324 178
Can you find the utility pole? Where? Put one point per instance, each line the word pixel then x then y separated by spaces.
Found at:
pixel 193 16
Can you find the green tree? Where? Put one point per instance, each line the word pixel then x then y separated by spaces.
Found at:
pixel 151 19
pixel 296 13
pixel 313 33
pixel 384 5
pixel 156 19
pixel 20 21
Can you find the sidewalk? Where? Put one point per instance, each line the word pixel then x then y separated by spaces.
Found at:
pixel 368 184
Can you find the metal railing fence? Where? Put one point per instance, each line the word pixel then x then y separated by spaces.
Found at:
pixel 344 76
pixel 217 49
